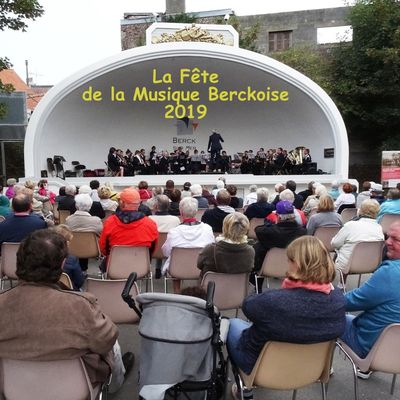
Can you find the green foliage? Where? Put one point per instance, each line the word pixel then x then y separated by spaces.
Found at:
pixel 308 60
pixel 14 13
pixel 182 18
pixel 365 74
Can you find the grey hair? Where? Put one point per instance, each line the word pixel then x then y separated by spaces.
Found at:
pixel 84 189
pixel 252 188
pixel 70 189
pixel 196 189
pixel 83 202
pixel 262 194
pixel 162 202
pixel 188 207
pixel 287 195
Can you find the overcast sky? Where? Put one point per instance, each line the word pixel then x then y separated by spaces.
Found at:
pixel 77 33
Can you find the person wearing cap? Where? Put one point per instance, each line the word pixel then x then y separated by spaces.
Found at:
pixel 277 235
pixel 214 145
pixel 377 192
pixel 128 226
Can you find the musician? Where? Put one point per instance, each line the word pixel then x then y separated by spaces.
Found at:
pixel 259 162
pixel 204 161
pixel 113 163
pixel 307 156
pixel 214 145
pixel 195 162
pixel 279 160
pixel 153 161
pixel 245 166
pixel 224 163
pixel 138 163
pixel 163 163
pixel 129 170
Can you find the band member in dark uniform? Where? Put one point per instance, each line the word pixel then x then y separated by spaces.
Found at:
pixel 195 162
pixel 113 163
pixel 163 164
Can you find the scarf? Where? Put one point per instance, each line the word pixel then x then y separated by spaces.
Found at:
pixel 318 287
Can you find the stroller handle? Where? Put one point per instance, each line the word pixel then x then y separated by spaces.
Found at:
pixel 210 295
pixel 126 296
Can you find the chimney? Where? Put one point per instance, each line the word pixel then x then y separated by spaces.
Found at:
pixel 175 7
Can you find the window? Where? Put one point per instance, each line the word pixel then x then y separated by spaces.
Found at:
pixel 278 41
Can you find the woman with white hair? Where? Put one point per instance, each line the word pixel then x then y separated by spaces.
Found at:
pixel 220 185
pixel 190 233
pixel 197 193
pixel 96 209
pixel 311 203
pixel 81 220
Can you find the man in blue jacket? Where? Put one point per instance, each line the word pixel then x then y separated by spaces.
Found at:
pixel 378 299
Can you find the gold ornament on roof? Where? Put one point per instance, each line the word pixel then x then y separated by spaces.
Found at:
pixel 190 34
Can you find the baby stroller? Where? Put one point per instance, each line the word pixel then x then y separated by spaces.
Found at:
pixel 181 345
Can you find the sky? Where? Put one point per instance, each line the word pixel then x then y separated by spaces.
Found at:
pixel 74 34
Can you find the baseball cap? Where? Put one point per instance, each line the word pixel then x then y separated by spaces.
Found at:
pixel 284 207
pixel 376 187
pixel 129 196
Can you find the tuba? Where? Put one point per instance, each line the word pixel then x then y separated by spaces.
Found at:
pixel 296 156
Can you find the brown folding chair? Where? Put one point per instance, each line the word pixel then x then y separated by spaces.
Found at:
pixel 108 294
pixel 47 380
pixel 325 234
pixel 230 289
pixel 387 220
pixel 275 265
pixel 384 356
pixel 348 214
pixel 254 222
pixel 63 215
pixel 8 267
pixel 85 245
pixel 126 259
pixel 183 264
pixel 66 280
pixel 289 366
pixel 365 259
pixel 158 254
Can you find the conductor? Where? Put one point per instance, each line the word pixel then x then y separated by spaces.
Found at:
pixel 214 145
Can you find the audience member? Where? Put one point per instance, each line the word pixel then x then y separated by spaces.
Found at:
pixel 94 193
pixel 209 197
pixel 298 200
pixel 307 309
pixel 169 187
pixel 231 253
pixel 277 235
pixel 81 220
pixel 215 216
pixel 186 190
pixel 307 192
pixel 364 193
pixel 11 182
pixel 365 229
pixel 334 192
pixel 43 332
pixel 377 192
pixel 261 208
pixel 311 204
pixel 378 299
pixel 220 185
pixel 21 222
pixel 4 206
pixel 326 215
pixel 96 210
pixel 345 199
pixel 104 193
pixel 391 205
pixel 236 202
pixel 68 201
pixel 251 197
pixel 128 226
pixel 190 233
pixel 175 197
pixel 161 216
pixel 144 192
pixel 197 193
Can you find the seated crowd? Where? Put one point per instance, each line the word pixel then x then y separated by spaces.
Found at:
pixel 218 223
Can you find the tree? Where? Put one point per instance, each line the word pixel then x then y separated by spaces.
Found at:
pixel 365 73
pixel 14 15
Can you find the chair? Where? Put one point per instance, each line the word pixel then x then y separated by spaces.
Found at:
pixel 384 356
pixel 183 264
pixel 289 366
pixel 158 254
pixel 108 294
pixel 348 214
pixel 56 212
pixel 66 280
pixel 230 289
pixel 275 265
pixel 8 266
pixel 63 215
pixel 47 380
pixel 325 234
pixel 254 222
pixel 2 218
pixel 387 220
pixel 364 259
pixel 126 259
pixel 84 245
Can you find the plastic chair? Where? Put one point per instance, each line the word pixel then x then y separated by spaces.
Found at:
pixel 2 218
pixel 384 356
pixel 348 214
pixel 275 265
pixel 289 366
pixel 63 215
pixel 126 259
pixel 183 264
pixel 84 245
pixel 158 254
pixel 230 289
pixel 108 294
pixel 47 380
pixel 364 259
pixel 66 280
pixel 387 220
pixel 8 265
pixel 254 222
pixel 325 234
